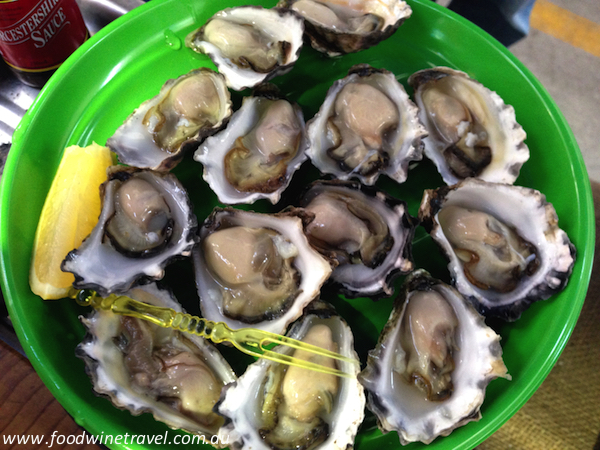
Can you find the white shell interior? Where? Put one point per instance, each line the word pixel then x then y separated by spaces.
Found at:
pixel 335 30
pixel 403 145
pixel 506 136
pixel 364 280
pixel 373 280
pixel 105 269
pixel 281 25
pixel 111 375
pixel 134 143
pixel 213 150
pixel 314 270
pixel 391 11
pixel 403 408
pixel 527 211
pixel 240 400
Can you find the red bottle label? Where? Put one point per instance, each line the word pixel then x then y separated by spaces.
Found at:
pixel 38 35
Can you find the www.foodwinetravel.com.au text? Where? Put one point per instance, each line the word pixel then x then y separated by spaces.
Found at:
pixel 55 439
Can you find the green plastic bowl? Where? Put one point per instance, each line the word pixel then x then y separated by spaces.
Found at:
pixel 128 61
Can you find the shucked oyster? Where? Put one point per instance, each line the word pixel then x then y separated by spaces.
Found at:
pixel 256 269
pixel 472 133
pixel 367 232
pixel 250 44
pixel 257 154
pixel 434 359
pixel 162 129
pixel 142 367
pixel 503 243
pixel 146 221
pixel 273 406
pixel 366 126
pixel 342 26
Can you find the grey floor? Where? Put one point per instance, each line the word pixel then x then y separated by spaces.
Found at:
pixel 571 76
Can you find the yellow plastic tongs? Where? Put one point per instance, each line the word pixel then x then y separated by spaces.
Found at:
pixel 249 340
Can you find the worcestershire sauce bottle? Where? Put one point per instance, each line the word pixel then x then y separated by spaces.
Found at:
pixel 36 36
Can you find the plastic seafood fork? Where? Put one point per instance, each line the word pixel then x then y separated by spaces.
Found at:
pixel 249 340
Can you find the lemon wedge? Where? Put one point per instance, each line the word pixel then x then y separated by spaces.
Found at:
pixel 69 214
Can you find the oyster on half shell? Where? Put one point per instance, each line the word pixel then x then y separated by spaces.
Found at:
pixel 335 27
pixel 367 232
pixel 366 126
pixel 432 363
pixel 503 244
pixel 146 222
pixel 257 153
pixel 250 44
pixel 274 406
pixel 186 110
pixel 256 270
pixel 142 367
pixel 472 132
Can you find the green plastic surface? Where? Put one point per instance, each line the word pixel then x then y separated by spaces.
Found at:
pixel 127 63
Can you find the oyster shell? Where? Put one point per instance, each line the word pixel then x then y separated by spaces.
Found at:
pixel 146 222
pixel 366 126
pixel 256 269
pixel 259 151
pixel 250 44
pixel 367 232
pixel 503 243
pixel 336 27
pixel 432 363
pixel 142 367
pixel 186 110
pixel 472 132
pixel 272 406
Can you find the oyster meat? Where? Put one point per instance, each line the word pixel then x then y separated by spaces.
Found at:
pixel 366 126
pixel 472 132
pixel 335 27
pixel 273 406
pixel 259 151
pixel 142 367
pixel 250 44
pixel 186 110
pixel 434 359
pixel 145 223
pixel 256 269
pixel 367 232
pixel 503 243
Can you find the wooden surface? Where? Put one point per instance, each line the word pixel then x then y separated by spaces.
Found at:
pixel 28 408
